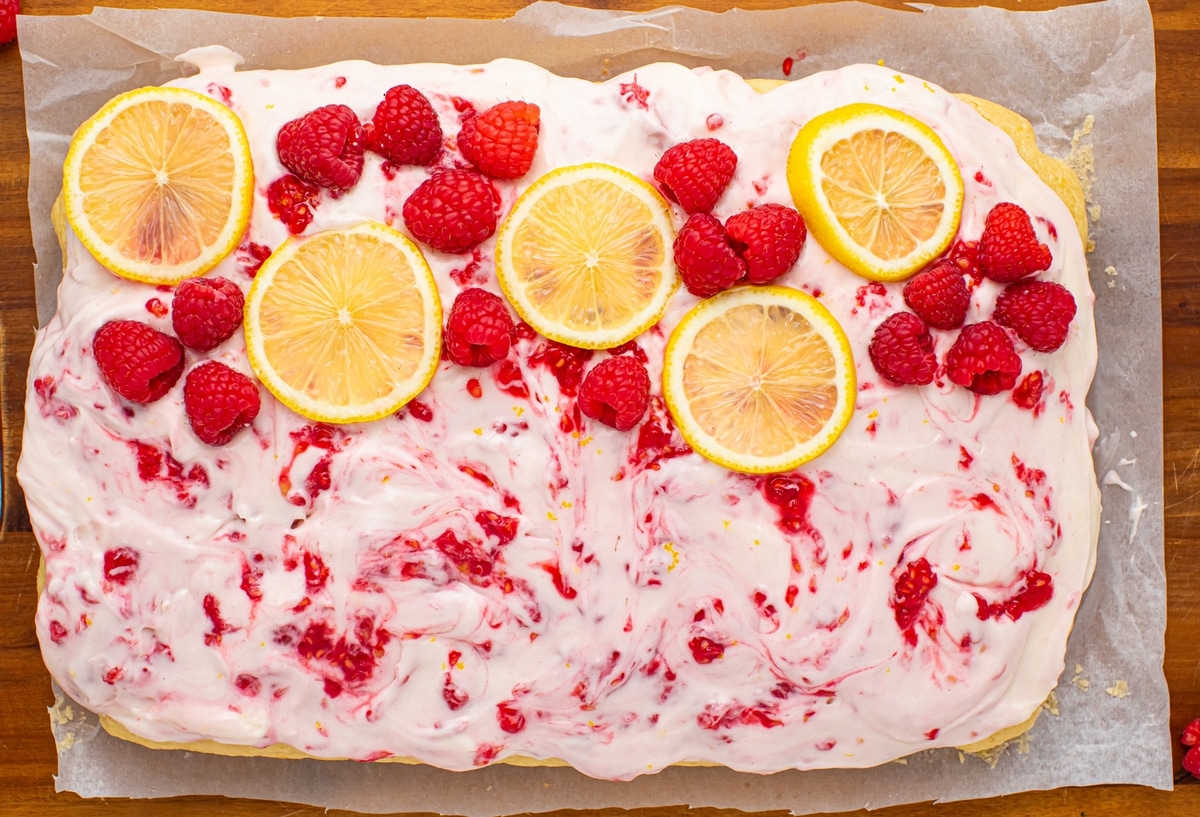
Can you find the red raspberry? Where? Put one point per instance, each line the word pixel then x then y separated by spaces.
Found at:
pixel 902 350
pixel 983 359
pixel 1028 393
pixel 219 402
pixel 616 392
pixel 939 296
pixel 695 174
pixel 502 140
pixel 453 210
pixel 912 588
pixel 405 128
pixel 1009 249
pixel 706 260
pixel 479 331
pixel 769 238
pixel 9 9
pixel 1040 312
pixel 1191 733
pixel 292 201
pixel 206 312
pixel 965 256
pixel 324 147
pixel 1191 761
pixel 139 362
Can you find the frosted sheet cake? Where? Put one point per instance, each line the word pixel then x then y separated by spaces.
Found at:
pixel 501 569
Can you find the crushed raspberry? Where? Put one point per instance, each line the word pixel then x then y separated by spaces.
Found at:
pixel 452 211
pixel 631 347
pixel 248 685
pixel 470 559
pixel 791 495
pixel 983 359
pixel 694 174
pixel 251 257
pixel 212 610
pixel 705 650
pixel 707 261
pixel 560 584
pixel 454 697
pixel 479 330
pixel 316 574
pixel 1035 593
pixel 219 402
pixel 157 308
pixel 58 633
pixel 635 94
pixel 119 565
pixel 420 411
pixel 140 363
pixel 205 312
pixel 510 380
pixel 788 62
pixel 324 147
pixel 769 238
pixel 657 438
pixel 1028 393
pixel 901 350
pixel 501 141
pixel 405 128
pixel 616 392
pixel 251 583
pixel 1040 312
pixel 155 465
pixel 502 528
pixel 716 716
pixel 564 362
pixel 1009 248
pixel 939 296
pixel 112 675
pixel 511 719
pixel 292 201
pixel 908 599
pixel 965 256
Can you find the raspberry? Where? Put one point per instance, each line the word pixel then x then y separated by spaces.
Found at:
pixel 1191 761
pixel 206 312
pixel 324 147
pixel 1191 733
pixel 1028 393
pixel 9 9
pixel 219 402
pixel 479 331
pixel 912 588
pixel 502 140
pixel 965 256
pixel 939 296
pixel 292 201
pixel 139 362
pixel 983 359
pixel 769 238
pixel 902 350
pixel 694 174
pixel 1009 249
pixel 616 392
pixel 453 210
pixel 706 260
pixel 1040 312
pixel 405 128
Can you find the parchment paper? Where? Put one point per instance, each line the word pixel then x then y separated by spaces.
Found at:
pixel 1056 68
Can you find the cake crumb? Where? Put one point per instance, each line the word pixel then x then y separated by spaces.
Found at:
pixel 1111 271
pixel 1094 212
pixel 1078 680
pixel 1082 158
pixel 1119 690
pixel 1051 704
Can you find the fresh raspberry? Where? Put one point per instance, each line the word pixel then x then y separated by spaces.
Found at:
pixel 1191 733
pixel 616 392
pixel 1191 761
pixel 502 140
pixel 1040 312
pixel 983 359
pixel 219 402
pixel 706 260
pixel 405 128
pixel 324 147
pixel 453 210
pixel 139 362
pixel 902 350
pixel 292 201
pixel 769 238
pixel 9 9
pixel 206 312
pixel 1009 249
pixel 479 331
pixel 939 296
pixel 695 174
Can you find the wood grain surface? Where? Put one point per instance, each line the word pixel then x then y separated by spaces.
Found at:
pixel 27 753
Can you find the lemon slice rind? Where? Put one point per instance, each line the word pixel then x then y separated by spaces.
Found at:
pixel 402 391
pixel 816 138
pixel 516 287
pixel 703 314
pixel 241 194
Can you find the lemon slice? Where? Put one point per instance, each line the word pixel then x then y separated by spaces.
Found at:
pixel 877 188
pixel 158 184
pixel 344 326
pixel 585 256
pixel 759 379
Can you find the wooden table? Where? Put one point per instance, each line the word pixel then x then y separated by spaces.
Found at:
pixel 27 753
